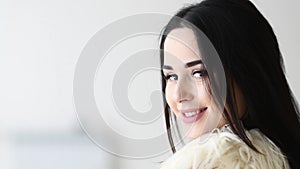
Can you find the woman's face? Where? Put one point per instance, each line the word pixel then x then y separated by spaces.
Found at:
pixel 186 91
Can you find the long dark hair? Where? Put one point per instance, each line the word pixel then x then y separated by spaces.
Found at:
pixel 250 56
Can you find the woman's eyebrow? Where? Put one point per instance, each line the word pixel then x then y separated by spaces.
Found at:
pixel 193 63
pixel 167 67
pixel 189 64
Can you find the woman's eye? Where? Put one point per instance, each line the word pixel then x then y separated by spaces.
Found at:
pixel 171 77
pixel 200 73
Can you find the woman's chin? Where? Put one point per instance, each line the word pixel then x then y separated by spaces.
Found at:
pixel 193 135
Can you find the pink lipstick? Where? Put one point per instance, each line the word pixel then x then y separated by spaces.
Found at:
pixel 192 115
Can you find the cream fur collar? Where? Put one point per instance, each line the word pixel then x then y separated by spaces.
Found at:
pixel 222 149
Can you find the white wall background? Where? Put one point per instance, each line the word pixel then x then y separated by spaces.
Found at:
pixel 40 44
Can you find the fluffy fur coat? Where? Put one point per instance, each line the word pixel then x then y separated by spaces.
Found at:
pixel 222 149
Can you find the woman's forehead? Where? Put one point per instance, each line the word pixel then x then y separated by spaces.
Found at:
pixel 181 46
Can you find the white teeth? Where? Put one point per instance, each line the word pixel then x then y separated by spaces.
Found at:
pixel 190 114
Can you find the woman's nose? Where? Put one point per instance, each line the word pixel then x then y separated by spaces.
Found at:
pixel 183 91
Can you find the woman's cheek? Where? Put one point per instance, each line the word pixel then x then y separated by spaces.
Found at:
pixel 169 98
pixel 201 92
pixel 167 93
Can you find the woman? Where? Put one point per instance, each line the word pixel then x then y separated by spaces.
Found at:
pixel 223 78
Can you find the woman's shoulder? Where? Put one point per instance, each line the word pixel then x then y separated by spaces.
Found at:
pixel 222 149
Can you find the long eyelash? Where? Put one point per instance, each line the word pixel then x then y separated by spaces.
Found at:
pixel 203 72
pixel 168 77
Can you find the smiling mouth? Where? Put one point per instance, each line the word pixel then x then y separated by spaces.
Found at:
pixel 192 115
pixel 192 112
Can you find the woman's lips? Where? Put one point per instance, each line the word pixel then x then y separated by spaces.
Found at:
pixel 190 116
